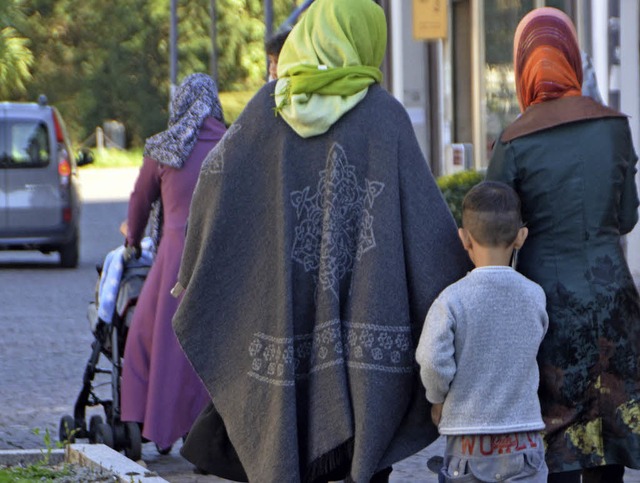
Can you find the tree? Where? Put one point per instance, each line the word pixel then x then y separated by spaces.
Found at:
pixel 99 60
pixel 240 40
pixel 16 57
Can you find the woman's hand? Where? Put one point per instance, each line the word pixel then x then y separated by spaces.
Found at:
pixel 132 252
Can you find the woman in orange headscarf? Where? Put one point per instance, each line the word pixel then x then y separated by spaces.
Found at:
pixel 572 161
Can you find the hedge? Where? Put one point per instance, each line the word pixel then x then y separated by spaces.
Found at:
pixel 455 186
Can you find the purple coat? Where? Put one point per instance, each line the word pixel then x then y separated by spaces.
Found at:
pixel 159 387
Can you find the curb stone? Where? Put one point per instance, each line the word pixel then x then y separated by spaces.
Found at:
pixel 97 456
pixel 26 457
pixel 103 457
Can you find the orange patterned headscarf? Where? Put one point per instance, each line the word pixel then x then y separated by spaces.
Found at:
pixel 546 57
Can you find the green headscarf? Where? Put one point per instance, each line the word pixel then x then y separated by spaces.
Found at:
pixel 328 62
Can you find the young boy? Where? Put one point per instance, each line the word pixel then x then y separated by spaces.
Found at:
pixel 477 352
pixel 273 46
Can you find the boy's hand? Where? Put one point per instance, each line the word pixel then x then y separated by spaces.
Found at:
pixel 436 413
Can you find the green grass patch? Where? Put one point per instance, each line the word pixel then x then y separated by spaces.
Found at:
pixel 46 470
pixel 40 471
pixel 116 158
pixel 60 472
pixel 31 473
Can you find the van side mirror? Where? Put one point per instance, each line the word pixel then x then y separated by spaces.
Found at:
pixel 85 156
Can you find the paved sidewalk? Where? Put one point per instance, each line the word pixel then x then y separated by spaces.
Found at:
pixel 176 469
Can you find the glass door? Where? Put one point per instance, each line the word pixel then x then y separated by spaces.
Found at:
pixel 501 17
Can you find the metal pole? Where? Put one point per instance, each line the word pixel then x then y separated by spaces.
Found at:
pixel 213 62
pixel 268 28
pixel 478 90
pixel 173 49
pixel 600 46
pixel 268 18
pixel 291 19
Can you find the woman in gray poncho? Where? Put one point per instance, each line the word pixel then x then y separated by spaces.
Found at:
pixel 317 241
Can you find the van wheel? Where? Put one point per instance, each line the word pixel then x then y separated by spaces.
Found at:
pixel 69 253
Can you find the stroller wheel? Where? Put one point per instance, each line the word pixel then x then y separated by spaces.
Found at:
pixel 94 422
pixel 164 451
pixel 67 429
pixel 104 435
pixel 133 450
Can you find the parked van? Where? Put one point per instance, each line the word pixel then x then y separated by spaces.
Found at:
pixel 39 196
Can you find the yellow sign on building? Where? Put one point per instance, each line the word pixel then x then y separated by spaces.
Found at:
pixel 430 19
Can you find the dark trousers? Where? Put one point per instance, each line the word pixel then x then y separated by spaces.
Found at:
pixel 564 477
pixel 597 474
pixel 381 476
pixel 603 474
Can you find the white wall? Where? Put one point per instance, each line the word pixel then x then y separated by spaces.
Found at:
pixel 408 69
pixel 630 102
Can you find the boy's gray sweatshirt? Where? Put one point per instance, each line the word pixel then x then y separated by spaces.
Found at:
pixel 477 353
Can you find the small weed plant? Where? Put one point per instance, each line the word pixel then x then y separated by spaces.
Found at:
pixel 43 470
pixel 39 471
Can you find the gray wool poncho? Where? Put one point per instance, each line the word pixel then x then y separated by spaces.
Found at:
pixel 308 270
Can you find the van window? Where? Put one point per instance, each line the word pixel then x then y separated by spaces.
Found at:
pixel 27 145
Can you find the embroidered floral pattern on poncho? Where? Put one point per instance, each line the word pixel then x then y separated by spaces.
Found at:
pixel 334 226
pixel 282 360
pixel 214 162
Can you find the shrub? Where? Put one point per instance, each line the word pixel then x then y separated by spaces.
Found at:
pixel 455 186
pixel 233 103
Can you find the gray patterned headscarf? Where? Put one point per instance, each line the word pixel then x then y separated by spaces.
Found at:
pixel 194 100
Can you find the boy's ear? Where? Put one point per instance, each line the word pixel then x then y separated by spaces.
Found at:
pixel 521 237
pixel 464 238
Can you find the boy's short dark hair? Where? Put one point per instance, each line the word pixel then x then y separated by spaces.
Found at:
pixel 491 213
pixel 273 45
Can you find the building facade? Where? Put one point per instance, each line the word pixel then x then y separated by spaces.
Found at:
pixel 458 83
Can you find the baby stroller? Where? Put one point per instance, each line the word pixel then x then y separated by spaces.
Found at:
pixel 121 277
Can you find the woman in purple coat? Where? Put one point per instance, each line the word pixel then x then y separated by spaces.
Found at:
pixel 160 390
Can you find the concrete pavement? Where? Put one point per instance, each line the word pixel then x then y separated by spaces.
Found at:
pixel 175 469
